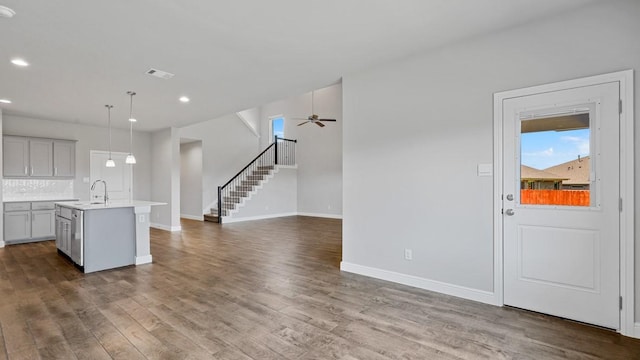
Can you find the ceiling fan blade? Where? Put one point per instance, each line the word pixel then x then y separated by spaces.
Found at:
pixel 326 119
pixel 302 123
pixel 319 124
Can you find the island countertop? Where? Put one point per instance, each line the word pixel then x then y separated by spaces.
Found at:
pixel 87 205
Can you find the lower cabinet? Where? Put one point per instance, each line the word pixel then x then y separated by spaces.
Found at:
pixel 29 221
pixel 63 235
pixel 17 226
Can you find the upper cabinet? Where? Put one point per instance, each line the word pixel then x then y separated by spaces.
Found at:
pixel 26 157
pixel 64 158
pixel 15 156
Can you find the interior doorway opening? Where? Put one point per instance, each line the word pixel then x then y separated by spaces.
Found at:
pixel 191 204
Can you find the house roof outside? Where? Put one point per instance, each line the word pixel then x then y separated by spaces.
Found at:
pixel 576 171
pixel 532 174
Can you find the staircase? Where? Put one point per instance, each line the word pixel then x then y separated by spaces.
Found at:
pixel 238 190
pixel 242 192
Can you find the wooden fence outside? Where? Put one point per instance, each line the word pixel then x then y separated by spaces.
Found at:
pixel 555 197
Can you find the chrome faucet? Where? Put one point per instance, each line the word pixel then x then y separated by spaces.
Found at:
pixel 106 197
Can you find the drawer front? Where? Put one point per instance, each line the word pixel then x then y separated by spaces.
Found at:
pixel 65 212
pixel 21 206
pixel 43 205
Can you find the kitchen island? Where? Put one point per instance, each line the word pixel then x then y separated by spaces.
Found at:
pixel 98 237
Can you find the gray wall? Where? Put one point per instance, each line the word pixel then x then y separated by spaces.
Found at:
pixel 90 138
pixel 165 187
pixel 319 150
pixel 227 146
pixel 415 130
pixel 191 180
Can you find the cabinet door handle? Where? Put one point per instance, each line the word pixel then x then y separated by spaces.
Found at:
pixel 25 170
pixel 55 171
pixel 32 170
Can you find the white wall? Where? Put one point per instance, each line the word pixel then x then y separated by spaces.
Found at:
pixel 278 197
pixel 191 180
pixel 165 174
pixel 227 146
pixel 89 138
pixel 251 118
pixel 1 175
pixel 414 131
pixel 319 150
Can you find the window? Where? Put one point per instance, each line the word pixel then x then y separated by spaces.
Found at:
pixel 277 126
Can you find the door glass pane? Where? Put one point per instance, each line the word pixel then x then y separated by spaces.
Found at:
pixel 555 159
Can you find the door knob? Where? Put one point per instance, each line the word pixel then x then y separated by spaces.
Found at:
pixel 510 197
pixel 509 212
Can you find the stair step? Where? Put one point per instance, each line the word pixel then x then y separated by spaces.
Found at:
pixel 229 206
pixel 255 178
pixel 238 193
pixel 233 199
pixel 261 172
pixel 212 218
pixel 266 167
pixel 250 182
pixel 245 188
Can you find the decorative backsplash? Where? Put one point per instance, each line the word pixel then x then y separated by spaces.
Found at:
pixel 36 189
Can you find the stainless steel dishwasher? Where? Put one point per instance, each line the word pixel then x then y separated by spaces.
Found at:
pixel 77 234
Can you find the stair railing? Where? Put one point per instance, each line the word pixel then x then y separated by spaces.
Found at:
pixel 280 152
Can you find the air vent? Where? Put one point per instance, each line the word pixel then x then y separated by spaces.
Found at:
pixel 160 74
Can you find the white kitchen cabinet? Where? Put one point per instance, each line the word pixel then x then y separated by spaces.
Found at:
pixel 26 157
pixel 40 157
pixel 43 223
pixel 29 221
pixel 64 158
pixel 17 225
pixel 65 236
pixel 15 156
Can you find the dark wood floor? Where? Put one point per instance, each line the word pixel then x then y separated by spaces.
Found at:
pixel 267 289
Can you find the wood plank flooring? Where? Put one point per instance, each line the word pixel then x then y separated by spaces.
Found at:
pixel 268 289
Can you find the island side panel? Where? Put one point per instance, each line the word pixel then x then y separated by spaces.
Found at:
pixel 110 238
pixel 143 246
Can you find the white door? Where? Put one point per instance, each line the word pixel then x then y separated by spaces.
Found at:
pixel 118 178
pixel 561 217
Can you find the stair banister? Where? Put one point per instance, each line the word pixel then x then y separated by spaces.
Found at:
pixel 265 158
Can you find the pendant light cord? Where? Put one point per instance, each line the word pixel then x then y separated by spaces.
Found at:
pixel 109 107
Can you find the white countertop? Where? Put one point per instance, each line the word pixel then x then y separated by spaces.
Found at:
pixel 86 205
pixel 37 198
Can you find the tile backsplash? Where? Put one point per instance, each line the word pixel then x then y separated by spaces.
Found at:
pixel 36 189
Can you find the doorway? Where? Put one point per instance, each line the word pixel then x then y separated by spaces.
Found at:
pixel 562 229
pixel 119 179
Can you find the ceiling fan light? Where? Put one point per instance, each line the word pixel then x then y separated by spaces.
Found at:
pixel 130 159
pixel 110 163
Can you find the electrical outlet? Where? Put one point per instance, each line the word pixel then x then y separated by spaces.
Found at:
pixel 408 254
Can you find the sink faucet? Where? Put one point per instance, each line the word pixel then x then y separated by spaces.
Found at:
pixel 106 197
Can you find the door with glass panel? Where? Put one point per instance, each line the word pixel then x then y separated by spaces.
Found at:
pixel 561 203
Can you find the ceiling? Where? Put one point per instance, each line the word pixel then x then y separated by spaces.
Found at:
pixel 226 55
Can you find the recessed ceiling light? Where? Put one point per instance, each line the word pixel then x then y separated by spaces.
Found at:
pixel 5 101
pixel 5 12
pixel 19 62
pixel 184 99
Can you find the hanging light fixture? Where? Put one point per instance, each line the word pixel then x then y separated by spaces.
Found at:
pixel 130 158
pixel 110 162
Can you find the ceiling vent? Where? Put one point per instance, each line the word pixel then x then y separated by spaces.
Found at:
pixel 160 74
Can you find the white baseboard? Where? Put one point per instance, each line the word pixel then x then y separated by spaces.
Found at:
pixel 486 297
pixel 192 217
pixel 165 227
pixel 146 259
pixel 636 331
pixel 328 216
pixel 1 244
pixel 226 220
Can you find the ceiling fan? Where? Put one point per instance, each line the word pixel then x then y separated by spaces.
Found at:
pixel 313 118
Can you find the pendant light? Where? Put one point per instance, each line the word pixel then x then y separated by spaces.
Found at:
pixel 110 162
pixel 130 158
